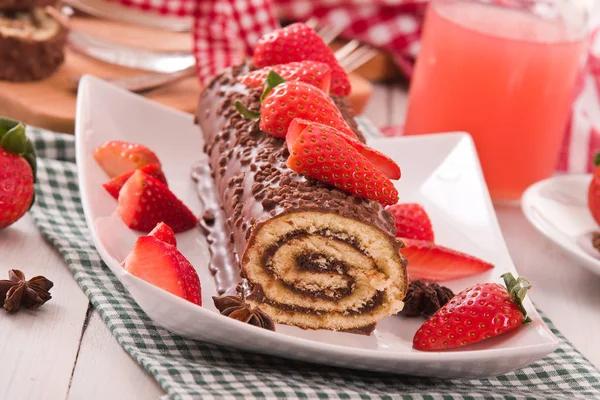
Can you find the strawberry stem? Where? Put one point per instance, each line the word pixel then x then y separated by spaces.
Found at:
pixel 273 79
pixel 517 289
pixel 242 109
pixel 597 159
pixel 14 140
pixel 6 125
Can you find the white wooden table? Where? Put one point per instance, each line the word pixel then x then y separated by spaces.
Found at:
pixel 65 351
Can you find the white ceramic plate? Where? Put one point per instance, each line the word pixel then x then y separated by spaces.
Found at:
pixel 557 207
pixel 440 171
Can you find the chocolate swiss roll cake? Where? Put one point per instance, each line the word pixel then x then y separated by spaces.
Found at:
pixel 315 256
pixel 31 44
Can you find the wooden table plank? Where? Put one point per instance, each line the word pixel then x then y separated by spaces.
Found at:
pixel 38 348
pixel 105 371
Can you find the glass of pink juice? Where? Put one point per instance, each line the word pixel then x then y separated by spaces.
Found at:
pixel 505 73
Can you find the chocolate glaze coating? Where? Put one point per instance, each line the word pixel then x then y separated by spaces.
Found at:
pixel 250 170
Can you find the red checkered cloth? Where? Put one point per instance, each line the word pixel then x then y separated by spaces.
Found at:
pixel 225 31
pixel 393 26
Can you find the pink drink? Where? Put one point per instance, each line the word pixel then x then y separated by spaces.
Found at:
pixel 503 75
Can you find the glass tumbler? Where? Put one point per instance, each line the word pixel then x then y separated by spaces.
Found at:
pixel 503 71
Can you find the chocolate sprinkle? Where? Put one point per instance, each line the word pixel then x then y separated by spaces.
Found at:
pixel 208 217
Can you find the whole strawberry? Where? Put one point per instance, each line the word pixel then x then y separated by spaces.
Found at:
pixel 594 191
pixel 298 42
pixel 17 172
pixel 475 314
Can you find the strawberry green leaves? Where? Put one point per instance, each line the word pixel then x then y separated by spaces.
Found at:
pixel 517 289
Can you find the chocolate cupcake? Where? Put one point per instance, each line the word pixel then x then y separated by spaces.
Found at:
pixel 31 44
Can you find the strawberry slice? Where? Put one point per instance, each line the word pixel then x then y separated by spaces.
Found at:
pixel 322 153
pixel 475 314
pixel 412 221
pixel 430 262
pixel 162 265
pixel 117 157
pixel 298 42
pixel 114 185
pixel 164 233
pixel 145 201
pixel 314 73
pixel 380 160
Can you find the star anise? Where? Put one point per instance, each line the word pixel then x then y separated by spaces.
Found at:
pixel 425 299
pixel 16 291
pixel 237 308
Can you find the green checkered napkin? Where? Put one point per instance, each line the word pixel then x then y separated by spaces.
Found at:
pixel 194 370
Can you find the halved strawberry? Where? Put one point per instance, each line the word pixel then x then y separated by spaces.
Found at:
pixel 114 185
pixel 314 73
pixel 412 221
pixel 298 42
pixel 290 100
pixel 145 201
pixel 164 232
pixel 162 265
pixel 322 153
pixel 380 160
pixel 117 157
pixel 430 262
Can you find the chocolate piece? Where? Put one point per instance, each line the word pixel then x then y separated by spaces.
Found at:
pixel 425 299
pixel 317 257
pixel 208 217
pixel 31 44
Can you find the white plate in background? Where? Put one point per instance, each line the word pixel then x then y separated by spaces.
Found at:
pixel 557 207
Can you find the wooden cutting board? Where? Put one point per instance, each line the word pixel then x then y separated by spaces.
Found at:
pixel 50 103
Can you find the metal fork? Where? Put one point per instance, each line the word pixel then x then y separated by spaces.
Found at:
pixel 351 56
